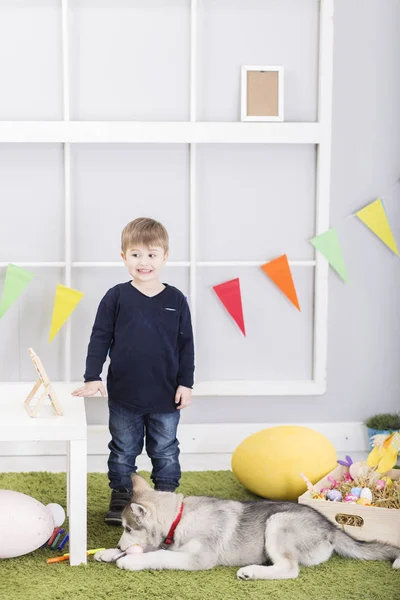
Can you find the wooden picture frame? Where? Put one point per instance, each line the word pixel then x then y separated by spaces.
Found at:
pixel 48 391
pixel 262 93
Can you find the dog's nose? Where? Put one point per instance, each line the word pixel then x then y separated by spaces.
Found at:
pixel 119 547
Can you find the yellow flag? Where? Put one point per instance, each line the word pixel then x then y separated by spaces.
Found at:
pixel 65 302
pixel 374 217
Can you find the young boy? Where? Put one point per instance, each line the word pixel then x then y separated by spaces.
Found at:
pixel 146 327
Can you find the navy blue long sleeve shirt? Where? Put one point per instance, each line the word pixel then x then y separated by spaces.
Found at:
pixel 150 341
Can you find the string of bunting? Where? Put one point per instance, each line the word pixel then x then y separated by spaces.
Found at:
pixel 65 301
pixel 327 243
pixel 277 270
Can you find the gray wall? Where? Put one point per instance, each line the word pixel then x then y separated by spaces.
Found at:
pixel 269 188
pixel 364 321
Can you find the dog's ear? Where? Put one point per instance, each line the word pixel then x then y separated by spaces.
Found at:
pixel 138 510
pixel 139 484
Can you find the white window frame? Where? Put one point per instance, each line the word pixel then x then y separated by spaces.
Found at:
pixel 193 132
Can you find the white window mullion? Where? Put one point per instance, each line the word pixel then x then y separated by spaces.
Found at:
pixel 193 60
pixel 323 175
pixel 65 60
pixel 192 235
pixel 68 255
pixel 192 164
pixel 67 185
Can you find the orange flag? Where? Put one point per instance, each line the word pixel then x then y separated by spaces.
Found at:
pixel 279 271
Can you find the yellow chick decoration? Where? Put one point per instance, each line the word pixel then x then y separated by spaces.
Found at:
pixel 384 454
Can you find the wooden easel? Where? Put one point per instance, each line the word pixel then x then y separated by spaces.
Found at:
pixel 48 390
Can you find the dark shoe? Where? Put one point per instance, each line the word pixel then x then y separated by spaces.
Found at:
pixel 119 499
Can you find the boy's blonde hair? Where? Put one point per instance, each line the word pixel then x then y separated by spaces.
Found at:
pixel 144 232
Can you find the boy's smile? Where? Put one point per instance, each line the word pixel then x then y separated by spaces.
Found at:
pixel 144 264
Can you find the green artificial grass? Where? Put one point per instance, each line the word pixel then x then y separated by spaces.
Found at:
pixel 30 578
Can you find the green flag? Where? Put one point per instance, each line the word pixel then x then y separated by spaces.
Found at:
pixel 328 244
pixel 16 281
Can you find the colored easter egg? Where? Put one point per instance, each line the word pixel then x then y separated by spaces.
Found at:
pixel 350 498
pixel 356 491
pixel 366 494
pixel 364 502
pixel 334 495
pixel 388 481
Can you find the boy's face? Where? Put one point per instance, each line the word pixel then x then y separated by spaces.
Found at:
pixel 144 264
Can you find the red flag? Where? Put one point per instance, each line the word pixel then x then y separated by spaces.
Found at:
pixel 230 296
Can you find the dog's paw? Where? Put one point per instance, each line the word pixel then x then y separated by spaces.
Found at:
pixel 106 555
pixel 129 563
pixel 396 564
pixel 246 573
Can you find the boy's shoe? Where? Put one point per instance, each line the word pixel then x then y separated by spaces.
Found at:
pixel 119 499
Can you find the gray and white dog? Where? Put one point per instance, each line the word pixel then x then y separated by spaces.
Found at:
pixel 268 539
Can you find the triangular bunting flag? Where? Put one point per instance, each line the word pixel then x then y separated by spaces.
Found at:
pixel 65 302
pixel 230 296
pixel 15 282
pixel 328 244
pixel 374 217
pixel 279 271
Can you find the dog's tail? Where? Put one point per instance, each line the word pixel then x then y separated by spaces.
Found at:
pixel 346 545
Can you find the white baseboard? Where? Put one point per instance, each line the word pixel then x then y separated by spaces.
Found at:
pixel 203 446
pixel 98 463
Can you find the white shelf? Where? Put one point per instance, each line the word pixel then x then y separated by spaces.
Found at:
pixel 161 132
pixel 240 387
pixel 259 388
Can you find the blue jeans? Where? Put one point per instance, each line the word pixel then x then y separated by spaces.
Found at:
pixel 128 430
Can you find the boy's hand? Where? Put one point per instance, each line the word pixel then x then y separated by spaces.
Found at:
pixel 183 397
pixel 90 389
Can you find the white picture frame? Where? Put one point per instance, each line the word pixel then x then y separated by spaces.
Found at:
pixel 269 78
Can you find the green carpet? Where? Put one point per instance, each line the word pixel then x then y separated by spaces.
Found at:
pixel 30 578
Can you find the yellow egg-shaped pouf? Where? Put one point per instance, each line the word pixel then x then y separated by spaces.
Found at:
pixel 268 462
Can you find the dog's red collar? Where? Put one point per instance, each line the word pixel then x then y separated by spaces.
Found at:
pixel 170 537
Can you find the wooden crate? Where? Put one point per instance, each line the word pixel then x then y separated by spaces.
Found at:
pixel 381 524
